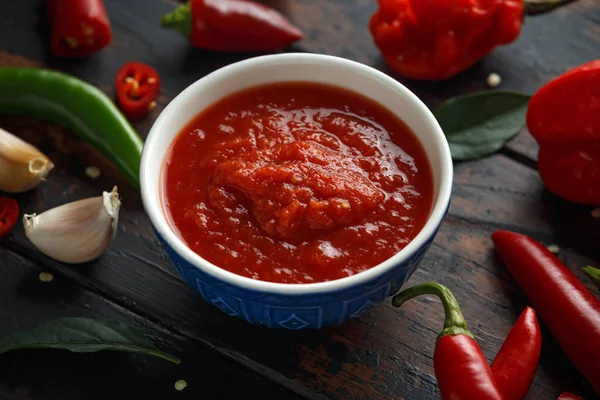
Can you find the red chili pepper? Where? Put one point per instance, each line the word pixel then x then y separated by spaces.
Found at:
pixel 436 39
pixel 569 396
pixel 137 86
pixel 9 213
pixel 516 362
pixel 232 25
pixel 461 369
pixel 570 311
pixel 79 27
pixel 564 118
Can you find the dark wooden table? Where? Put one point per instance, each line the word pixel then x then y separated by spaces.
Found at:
pixel 386 354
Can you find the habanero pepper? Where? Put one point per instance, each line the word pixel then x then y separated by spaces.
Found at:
pixel 570 311
pixel 232 26
pixel 79 27
pixel 437 39
pixel 9 214
pixel 461 369
pixel 137 86
pixel 80 107
pixel 516 362
pixel 564 118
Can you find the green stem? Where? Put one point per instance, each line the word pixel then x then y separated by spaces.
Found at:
pixel 593 274
pixel 179 19
pixel 535 7
pixel 454 323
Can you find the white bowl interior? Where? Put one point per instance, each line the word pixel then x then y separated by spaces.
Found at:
pixel 284 68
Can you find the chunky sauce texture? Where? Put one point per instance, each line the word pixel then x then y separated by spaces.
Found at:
pixel 297 183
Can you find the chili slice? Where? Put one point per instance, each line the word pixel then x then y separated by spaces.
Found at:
pixel 137 86
pixel 9 213
pixel 79 27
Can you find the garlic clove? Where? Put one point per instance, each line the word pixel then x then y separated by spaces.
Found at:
pixel 22 166
pixel 76 232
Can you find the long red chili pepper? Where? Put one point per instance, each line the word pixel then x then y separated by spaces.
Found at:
pixel 79 27
pixel 570 311
pixel 232 25
pixel 461 369
pixel 516 362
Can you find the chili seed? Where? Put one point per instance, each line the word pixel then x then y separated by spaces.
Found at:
pixel 151 80
pixel 180 385
pixel 151 105
pixel 71 42
pixel 493 80
pixel 46 277
pixel 87 30
pixel 92 172
pixel 554 249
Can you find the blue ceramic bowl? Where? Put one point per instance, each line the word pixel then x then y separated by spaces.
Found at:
pixel 295 306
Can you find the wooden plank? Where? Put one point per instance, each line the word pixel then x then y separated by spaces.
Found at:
pixel 44 374
pixel 385 350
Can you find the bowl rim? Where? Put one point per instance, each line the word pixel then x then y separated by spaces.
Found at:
pixel 151 152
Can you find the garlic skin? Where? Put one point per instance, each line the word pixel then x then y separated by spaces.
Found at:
pixel 76 232
pixel 22 166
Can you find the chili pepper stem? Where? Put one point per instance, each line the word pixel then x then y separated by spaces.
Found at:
pixel 454 322
pixel 535 7
pixel 593 274
pixel 179 19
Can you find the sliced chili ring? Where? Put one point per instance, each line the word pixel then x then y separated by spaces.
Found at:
pixel 9 214
pixel 137 86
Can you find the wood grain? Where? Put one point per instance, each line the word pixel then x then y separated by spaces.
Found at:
pixel 45 374
pixel 383 355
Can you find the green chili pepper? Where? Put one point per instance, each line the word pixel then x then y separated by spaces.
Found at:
pixel 76 105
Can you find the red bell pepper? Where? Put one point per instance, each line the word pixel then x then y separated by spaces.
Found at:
pixel 9 214
pixel 79 27
pixel 570 311
pixel 516 362
pixel 232 25
pixel 137 86
pixel 564 118
pixel 461 369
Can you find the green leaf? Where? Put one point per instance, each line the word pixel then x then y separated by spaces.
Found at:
pixel 593 274
pixel 83 335
pixel 479 124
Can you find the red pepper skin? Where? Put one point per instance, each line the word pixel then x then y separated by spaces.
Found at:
pixel 569 396
pixel 461 369
pixel 9 213
pixel 564 118
pixel 437 39
pixel 570 311
pixel 233 26
pixel 516 362
pixel 137 86
pixel 79 27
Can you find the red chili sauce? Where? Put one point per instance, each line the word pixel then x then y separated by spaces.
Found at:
pixel 297 183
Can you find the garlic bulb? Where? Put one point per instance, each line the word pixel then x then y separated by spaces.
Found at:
pixel 22 166
pixel 76 232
